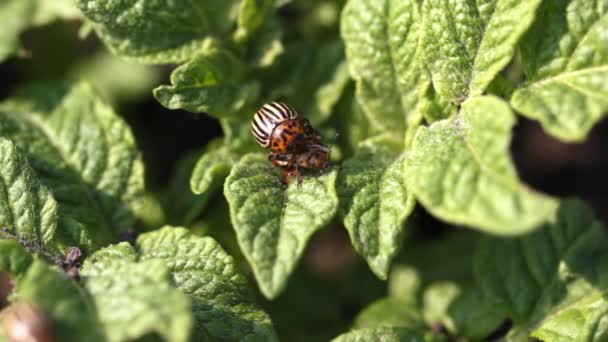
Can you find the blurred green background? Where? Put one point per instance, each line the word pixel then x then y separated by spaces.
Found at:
pixel 332 283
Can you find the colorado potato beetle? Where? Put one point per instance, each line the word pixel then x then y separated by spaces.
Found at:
pixel 293 142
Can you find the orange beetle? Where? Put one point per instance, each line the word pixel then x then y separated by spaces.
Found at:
pixel 293 142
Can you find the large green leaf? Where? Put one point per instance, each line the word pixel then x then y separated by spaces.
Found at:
pixel 27 208
pixel 565 57
pixel 222 299
pixel 383 49
pixel 274 222
pixel 387 334
pixel 135 299
pixel 460 170
pixel 466 42
pixel 71 310
pixel 15 16
pixel 374 201
pixel 158 31
pixel 212 82
pixel 553 282
pixel 83 153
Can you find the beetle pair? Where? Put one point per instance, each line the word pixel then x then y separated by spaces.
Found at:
pixel 294 143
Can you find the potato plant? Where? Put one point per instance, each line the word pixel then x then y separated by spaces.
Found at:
pixel 421 96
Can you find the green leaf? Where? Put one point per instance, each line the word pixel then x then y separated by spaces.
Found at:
pixel 390 312
pixel 212 82
pixel 263 49
pixel 259 32
pixel 444 291
pixel 15 16
pixel 386 334
pixel 223 302
pixel 158 31
pixel 103 258
pixel 49 10
pixel 460 170
pixel 211 169
pixel 329 94
pixel 310 78
pixel 382 46
pixel 466 43
pixel 63 300
pixel 83 153
pixel 374 201
pixel 273 223
pixel 135 299
pixel 27 208
pixel 14 259
pixel 197 179
pixel 181 204
pixel 116 80
pixel 461 309
pixel 404 282
pixel 433 107
pixel 565 57
pixel 422 255
pixel 350 121
pixel 552 282
pixel 252 15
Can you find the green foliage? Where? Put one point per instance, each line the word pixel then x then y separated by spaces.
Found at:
pixel 424 95
pixel 222 301
pixel 15 15
pixel 71 309
pixel 558 273
pixel 210 82
pixel 89 164
pixel 272 221
pixel 466 43
pixel 383 48
pixel 460 170
pixel 133 299
pixel 385 334
pixel 153 31
pixel 27 207
pixel 375 202
pixel 565 58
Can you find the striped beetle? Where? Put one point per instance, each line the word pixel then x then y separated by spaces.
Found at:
pixel 293 142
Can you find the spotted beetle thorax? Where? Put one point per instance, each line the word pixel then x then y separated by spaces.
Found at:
pixel 286 135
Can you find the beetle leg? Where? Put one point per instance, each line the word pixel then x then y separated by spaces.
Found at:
pixel 299 176
pixel 310 131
